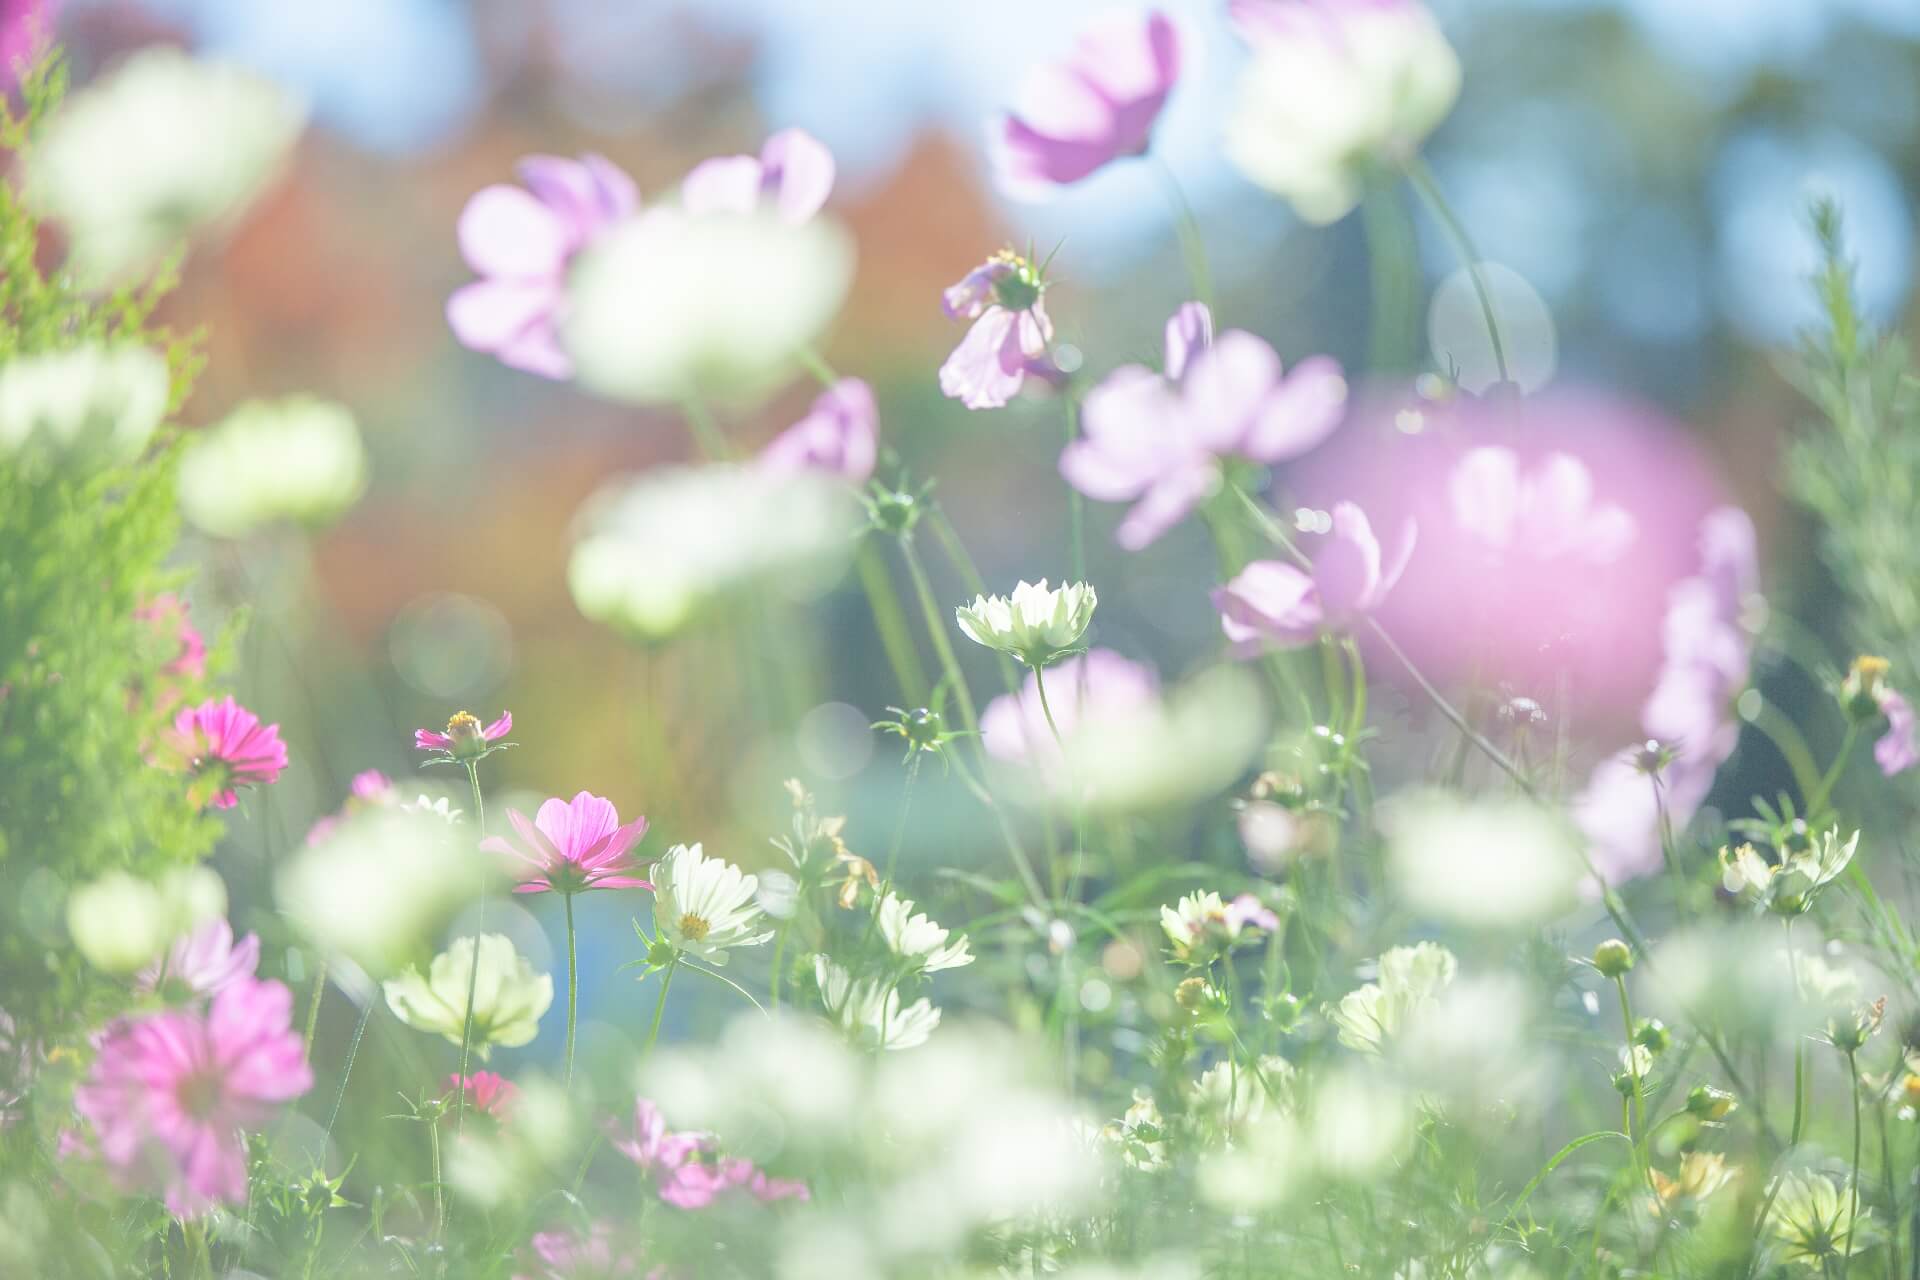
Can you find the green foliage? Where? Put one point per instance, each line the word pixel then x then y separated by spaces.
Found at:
pixel 83 787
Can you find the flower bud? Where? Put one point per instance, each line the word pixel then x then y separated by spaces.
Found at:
pixel 469 741
pixel 1613 958
pixel 1860 690
pixel 1710 1103
pixel 1652 1035
pixel 1192 993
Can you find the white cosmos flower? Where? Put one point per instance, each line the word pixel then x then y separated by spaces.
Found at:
pixel 914 936
pixel 1034 624
pixel 89 403
pixel 670 305
pixel 508 996
pixel 703 906
pixel 870 1012
pixel 656 550
pixel 1488 862
pixel 297 459
pixel 1334 90
pixel 1410 978
pixel 155 151
pixel 1232 1094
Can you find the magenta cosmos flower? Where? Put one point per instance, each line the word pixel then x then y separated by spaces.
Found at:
pixel 568 1253
pixel 486 1092
pixel 26 26
pixel 1099 105
pixel 793 174
pixel 1158 440
pixel 1272 604
pixel 226 747
pixel 571 846
pixel 204 962
pixel 520 242
pixel 682 1171
pixel 465 739
pixel 1002 296
pixel 171 1095
pixel 840 435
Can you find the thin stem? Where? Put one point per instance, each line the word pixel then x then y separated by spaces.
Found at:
pixel 1818 800
pixel 1020 862
pixel 891 622
pixel 1786 739
pixel 473 971
pixel 1040 683
pixel 1799 1045
pixel 346 1072
pixel 1636 1129
pixel 439 1192
pixel 1423 182
pixel 660 1007
pixel 1393 275
pixel 706 432
pixel 1193 246
pixel 937 632
pixel 573 987
pixel 962 562
pixel 313 1002
pixel 1853 1180
pixel 1076 503
pixel 811 361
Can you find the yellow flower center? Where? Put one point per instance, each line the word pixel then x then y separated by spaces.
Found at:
pixel 693 927
pixel 463 724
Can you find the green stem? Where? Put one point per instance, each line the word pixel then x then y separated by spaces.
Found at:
pixel 346 1072
pixel 1040 683
pixel 1193 246
pixel 1786 739
pixel 1799 1046
pixel 1637 1126
pixel 1853 1180
pixel 439 1191
pixel 962 562
pixel 779 953
pixel 313 1002
pixel 706 432
pixel 473 972
pixel 891 622
pixel 1423 182
pixel 822 371
pixel 573 988
pixel 660 1007
pixel 937 632
pixel 1818 800
pixel 1076 503
pixel 1392 270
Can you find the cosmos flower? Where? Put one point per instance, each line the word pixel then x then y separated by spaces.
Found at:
pixel 508 996
pixel 683 1168
pixel 297 460
pixel 122 923
pixel 1547 513
pixel 203 962
pixel 486 1092
pixel 1270 603
pixel 1410 978
pixel 166 616
pixel 465 738
pixel 1333 90
pixel 568 1253
pixel 1813 1219
pixel 571 846
pixel 1011 331
pixel 793 175
pixel 839 436
pixel 171 1095
pixel 521 244
pixel 1898 749
pixel 90 404
pixel 1158 441
pixel 1099 105
pixel 1201 923
pixel 706 906
pixel 869 1010
pixel 1034 624
pixel 913 936
pixel 225 747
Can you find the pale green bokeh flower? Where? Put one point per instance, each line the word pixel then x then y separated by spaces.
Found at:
pixel 298 460
pixel 508 996
pixel 706 906
pixel 1485 862
pixel 120 922
pixel 89 404
pixel 1036 625
pixel 1410 978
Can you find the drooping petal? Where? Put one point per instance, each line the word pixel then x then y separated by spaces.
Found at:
pixel 974 374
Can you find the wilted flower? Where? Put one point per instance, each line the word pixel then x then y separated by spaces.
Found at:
pixel 1158 441
pixel 508 996
pixel 521 243
pixel 1410 978
pixel 917 939
pixel 1201 924
pixel 486 1092
pixel 1334 90
pixel 869 1010
pixel 791 177
pixel 705 906
pixel 1011 331
pixel 91 404
pixel 297 459
pixel 202 962
pixel 1035 625
pixel 1097 106
pixel 1270 603
pixel 170 1094
pixel 1097 689
pixel 121 923
pixel 673 304
pixel 839 436
pixel 572 846
pixel 155 151
pixel 223 746
pixel 656 551
pixel 1814 1220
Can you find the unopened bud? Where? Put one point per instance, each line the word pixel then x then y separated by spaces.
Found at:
pixel 1613 958
pixel 1710 1103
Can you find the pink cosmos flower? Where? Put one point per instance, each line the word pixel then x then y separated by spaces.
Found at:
pixel 486 1092
pixel 204 962
pixel 369 789
pixel 25 27
pixel 572 846
pixel 1248 910
pixel 1158 441
pixel 1270 603
pixel 225 747
pixel 167 615
pixel 793 173
pixel 520 242
pixel 1098 106
pixel 464 738
pixel 1548 513
pixel 569 1254
pixel 1095 687
pixel 1897 749
pixel 171 1094
pixel 1003 298
pixel 650 1145
pixel 840 435
pixel 683 1173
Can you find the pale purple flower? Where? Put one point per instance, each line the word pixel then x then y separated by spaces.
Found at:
pixel 204 962
pixel 1273 604
pixel 1248 910
pixel 572 846
pixel 650 1145
pixel 1003 298
pixel 1897 750
pixel 840 435
pixel 570 1254
pixel 1097 106
pixel 1094 688
pixel 520 242
pixel 793 174
pixel 171 1095
pixel 1547 513
pixel 683 1170
pixel 1158 441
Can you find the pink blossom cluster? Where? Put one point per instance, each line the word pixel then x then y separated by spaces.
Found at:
pixel 684 1168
